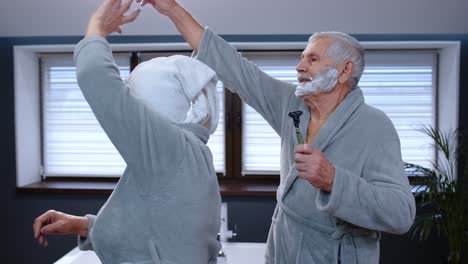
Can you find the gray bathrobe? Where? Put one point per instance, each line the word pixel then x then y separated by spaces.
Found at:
pixel 370 191
pixel 166 206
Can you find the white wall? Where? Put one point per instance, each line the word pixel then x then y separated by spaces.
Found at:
pixel 69 17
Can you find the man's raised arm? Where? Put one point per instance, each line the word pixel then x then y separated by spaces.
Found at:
pixel 190 29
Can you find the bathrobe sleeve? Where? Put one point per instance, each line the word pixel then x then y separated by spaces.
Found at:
pixel 379 199
pixel 146 141
pixel 265 94
pixel 84 243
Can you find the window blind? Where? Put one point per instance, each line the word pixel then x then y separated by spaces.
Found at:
pixel 400 83
pixel 260 143
pixel 403 85
pixel 74 143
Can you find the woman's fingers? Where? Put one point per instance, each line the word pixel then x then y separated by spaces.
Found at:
pixel 54 228
pixel 42 220
pixel 131 17
pixel 125 6
pixel 43 241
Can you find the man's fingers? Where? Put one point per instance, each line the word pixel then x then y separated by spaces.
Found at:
pixel 300 158
pixel 304 148
pixel 300 167
pixel 131 17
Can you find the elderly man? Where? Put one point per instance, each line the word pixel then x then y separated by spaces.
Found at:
pixel 166 206
pixel 346 184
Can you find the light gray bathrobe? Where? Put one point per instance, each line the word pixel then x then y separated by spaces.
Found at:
pixel 370 190
pixel 166 206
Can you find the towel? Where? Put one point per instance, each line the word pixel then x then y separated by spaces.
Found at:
pixel 179 88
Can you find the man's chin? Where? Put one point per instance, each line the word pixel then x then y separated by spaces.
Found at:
pixel 314 92
pixel 317 92
pixel 306 86
pixel 312 95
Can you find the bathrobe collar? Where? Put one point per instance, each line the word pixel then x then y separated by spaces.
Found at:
pixel 335 121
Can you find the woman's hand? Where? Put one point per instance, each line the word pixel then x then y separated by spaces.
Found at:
pixel 57 223
pixel 109 17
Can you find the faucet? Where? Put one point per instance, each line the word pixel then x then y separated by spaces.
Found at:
pixel 224 233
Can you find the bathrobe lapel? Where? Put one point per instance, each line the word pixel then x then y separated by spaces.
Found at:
pixel 327 133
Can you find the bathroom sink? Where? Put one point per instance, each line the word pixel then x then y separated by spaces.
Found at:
pixel 244 253
pixel 76 256
pixel 236 253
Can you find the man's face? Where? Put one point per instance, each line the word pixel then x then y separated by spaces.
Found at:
pixel 313 59
pixel 314 72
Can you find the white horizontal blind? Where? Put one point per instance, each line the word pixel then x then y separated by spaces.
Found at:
pixel 400 83
pixel 260 143
pixel 74 143
pixel 216 142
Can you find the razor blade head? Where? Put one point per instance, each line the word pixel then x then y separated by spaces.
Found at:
pixel 295 115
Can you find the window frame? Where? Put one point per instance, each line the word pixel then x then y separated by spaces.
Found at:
pixel 253 185
pixel 118 56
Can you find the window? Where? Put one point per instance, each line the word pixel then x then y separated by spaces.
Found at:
pixel 260 143
pixel 401 79
pixel 401 84
pixel 74 143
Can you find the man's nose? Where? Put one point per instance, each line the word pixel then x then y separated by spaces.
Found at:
pixel 301 67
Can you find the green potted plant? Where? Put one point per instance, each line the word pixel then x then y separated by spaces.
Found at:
pixel 441 195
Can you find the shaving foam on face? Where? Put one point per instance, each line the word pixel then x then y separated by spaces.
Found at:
pixel 323 82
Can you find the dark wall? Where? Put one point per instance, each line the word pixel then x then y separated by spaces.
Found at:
pixel 252 215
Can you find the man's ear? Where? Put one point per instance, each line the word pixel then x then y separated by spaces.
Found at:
pixel 345 70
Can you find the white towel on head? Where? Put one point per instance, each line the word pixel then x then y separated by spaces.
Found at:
pixel 178 87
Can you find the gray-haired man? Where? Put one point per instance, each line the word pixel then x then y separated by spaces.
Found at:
pixel 346 184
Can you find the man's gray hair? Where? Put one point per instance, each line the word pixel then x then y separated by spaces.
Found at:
pixel 344 48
